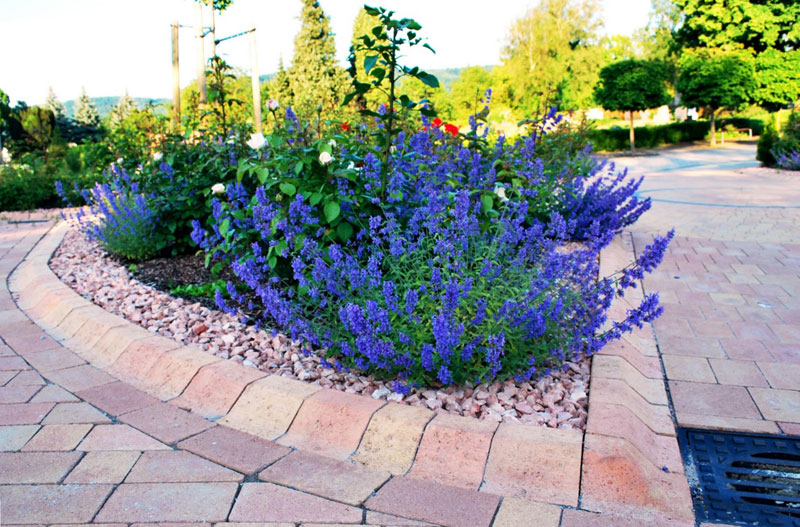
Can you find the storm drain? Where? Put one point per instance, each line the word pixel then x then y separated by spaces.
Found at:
pixel 743 478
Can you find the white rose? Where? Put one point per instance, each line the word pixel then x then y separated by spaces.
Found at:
pixel 501 191
pixel 273 105
pixel 157 156
pixel 325 158
pixel 256 141
pixel 218 188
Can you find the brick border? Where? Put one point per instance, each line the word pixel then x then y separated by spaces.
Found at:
pixel 627 463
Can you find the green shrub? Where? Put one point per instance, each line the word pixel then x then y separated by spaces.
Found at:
pixel 766 144
pixel 23 188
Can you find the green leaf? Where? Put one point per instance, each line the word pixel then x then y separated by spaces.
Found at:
pixel 378 74
pixel 262 174
pixel 428 79
pixel 369 62
pixel 372 11
pixel 315 198
pixel 487 203
pixel 273 261
pixel 298 168
pixel 288 189
pixel 224 226
pixel 428 46
pixel 345 231
pixel 331 210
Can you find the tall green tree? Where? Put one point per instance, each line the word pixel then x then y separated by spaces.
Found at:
pixel 552 55
pixel 631 86
pixel 85 111
pixel 124 107
pixel 778 75
pixel 317 82
pixel 53 104
pixel 364 24
pixel 716 79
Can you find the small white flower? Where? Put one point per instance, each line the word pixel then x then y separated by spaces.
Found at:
pixel 501 191
pixel 5 155
pixel 273 105
pixel 332 143
pixel 157 156
pixel 256 141
pixel 351 165
pixel 218 188
pixel 72 145
pixel 119 160
pixel 325 158
pixel 392 149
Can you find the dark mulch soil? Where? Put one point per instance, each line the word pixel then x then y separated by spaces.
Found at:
pixel 167 273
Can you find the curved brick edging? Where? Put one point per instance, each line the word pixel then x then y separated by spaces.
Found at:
pixel 630 436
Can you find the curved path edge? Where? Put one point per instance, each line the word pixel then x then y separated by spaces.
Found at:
pixel 626 465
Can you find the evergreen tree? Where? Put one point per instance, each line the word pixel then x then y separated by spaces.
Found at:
pixel 280 87
pixel 363 25
pixel 85 111
pixel 314 78
pixel 54 105
pixel 124 107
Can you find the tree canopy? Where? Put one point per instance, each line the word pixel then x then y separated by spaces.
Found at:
pixel 85 110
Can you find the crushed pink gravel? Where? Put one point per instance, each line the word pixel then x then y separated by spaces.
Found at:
pixel 559 400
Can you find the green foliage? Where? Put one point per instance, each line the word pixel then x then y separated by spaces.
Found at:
pixel 124 107
pixel 22 188
pixel 219 5
pixel 632 85
pixel 609 140
pixel 54 105
pixel 766 145
pixel 205 290
pixel 778 74
pixel 85 111
pixel 773 144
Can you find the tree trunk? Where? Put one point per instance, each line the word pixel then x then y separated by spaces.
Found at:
pixel 713 128
pixel 633 139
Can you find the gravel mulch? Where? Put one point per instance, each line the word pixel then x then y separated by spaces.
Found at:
pixel 558 400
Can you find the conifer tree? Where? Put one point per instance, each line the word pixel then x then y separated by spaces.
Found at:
pixel 280 87
pixel 124 107
pixel 53 104
pixel 85 111
pixel 315 79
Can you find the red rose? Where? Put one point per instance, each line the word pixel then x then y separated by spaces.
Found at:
pixel 346 126
pixel 437 122
pixel 451 129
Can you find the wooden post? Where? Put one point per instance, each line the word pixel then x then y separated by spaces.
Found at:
pixel 176 79
pixel 201 55
pixel 256 84
pixel 213 32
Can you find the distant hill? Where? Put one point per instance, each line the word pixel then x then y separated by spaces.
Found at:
pixel 105 104
pixel 446 76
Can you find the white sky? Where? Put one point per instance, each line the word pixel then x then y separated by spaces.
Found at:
pixel 110 46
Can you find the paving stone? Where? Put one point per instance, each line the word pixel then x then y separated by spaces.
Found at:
pixel 110 346
pixel 610 367
pixel 515 512
pixel 712 399
pixel 26 378
pixel 176 466
pixel 35 467
pixel 687 368
pixel 117 398
pixel 753 331
pixel 538 463
pixel 6 376
pixel 79 378
pixel 737 372
pixel 74 413
pixel 781 375
pixel 264 502
pixel 74 321
pixel 13 438
pixel 119 437
pixel 733 424
pixel 13 363
pixel 53 393
pixel 331 423
pixel 744 349
pixel 173 371
pixel 647 366
pixel 787 333
pixel 778 405
pixel 636 518
pixel 267 407
pixel 23 413
pixel 612 391
pixel 98 323
pixel 234 449
pixel 136 360
pixel 792 429
pixel 329 478
pixel 101 466
pixel 453 451
pixel 392 438
pixel 617 421
pixel 18 393
pixel 58 437
pixel 435 503
pixel 694 347
pixel 54 359
pixel 251 524
pixel 717 329
pixel 53 503
pixel 168 502
pixel 787 353
pixel 617 478
pixel 390 520
pixel 215 388
pixel 166 422
pixel 27 343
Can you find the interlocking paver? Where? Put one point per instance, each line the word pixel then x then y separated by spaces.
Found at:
pixel 166 422
pixel 117 398
pixel 713 399
pixel 216 387
pixel 18 393
pixel 176 466
pixel 136 360
pixel 58 437
pixel 168 502
pixel 329 478
pixel 778 405
pixel 392 438
pixel 54 359
pixel 434 503
pixel 172 371
pixel 265 502
pixel 516 512
pixel 27 343
pixel 13 438
pixel 101 466
pixel 13 363
pixel 24 413
pixel 79 377
pixel 119 437
pixel 27 378
pixel 737 424
pixel 781 375
pixel 237 450
pixel 35 467
pixel 687 368
pixel 54 503
pixel 737 372
pixel 53 393
pixel 74 413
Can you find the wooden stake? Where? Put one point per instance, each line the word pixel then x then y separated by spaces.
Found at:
pixel 176 78
pixel 256 84
pixel 201 55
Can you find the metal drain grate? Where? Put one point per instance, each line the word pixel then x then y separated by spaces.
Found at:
pixel 743 478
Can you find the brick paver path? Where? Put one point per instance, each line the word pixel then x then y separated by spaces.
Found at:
pixel 730 334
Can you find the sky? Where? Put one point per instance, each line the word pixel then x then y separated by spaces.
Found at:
pixel 113 46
